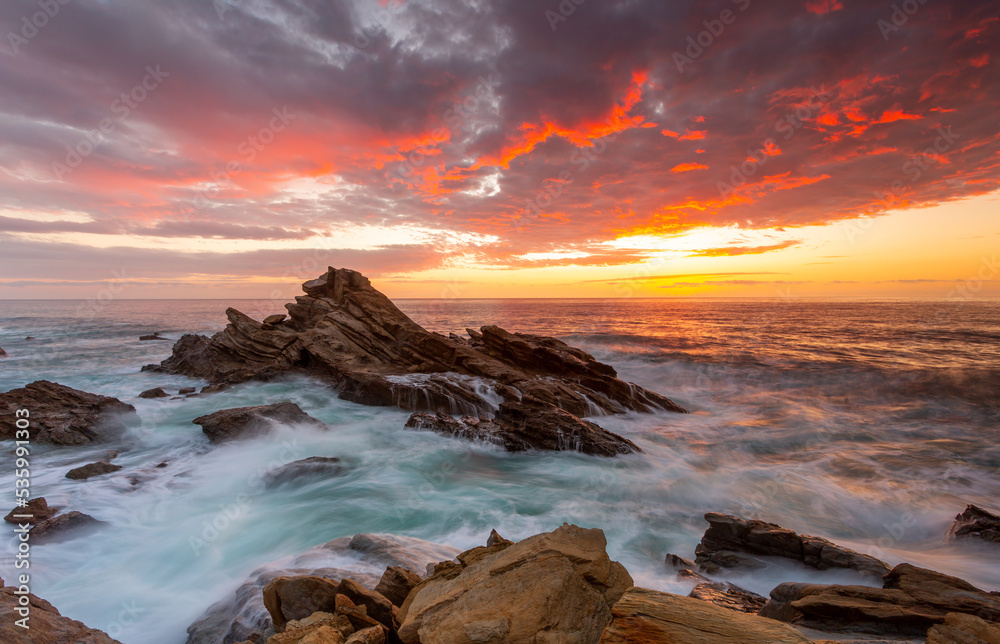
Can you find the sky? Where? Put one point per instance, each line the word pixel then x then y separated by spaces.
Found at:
pixel 457 148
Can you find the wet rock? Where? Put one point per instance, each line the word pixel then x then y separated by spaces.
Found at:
pixel 38 508
pixel 726 595
pixel 151 336
pixel 91 470
pixel 686 574
pixel 910 602
pixel 349 334
pixel 362 557
pixel 963 629
pixel 678 563
pixel 728 538
pixel 247 422
pixel 396 583
pixel 312 467
pixel 518 427
pixel 156 392
pixel 47 625
pixel 976 523
pixel 288 598
pixel 184 391
pixel 30 338
pixel 649 616
pixel 3 354
pixel 376 605
pixel 61 415
pixel 63 526
pixel 561 583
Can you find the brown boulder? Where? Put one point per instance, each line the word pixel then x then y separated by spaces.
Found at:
pixel 246 422
pixel 651 617
pixel 377 606
pixel 63 526
pixel 963 629
pixel 91 470
pixel 37 508
pixel 911 601
pixel 976 523
pixel 314 466
pixel 64 416
pixel 560 583
pixel 728 538
pixel 47 626
pixel 156 392
pixel 317 628
pixel 295 598
pixel 396 583
pixel 726 595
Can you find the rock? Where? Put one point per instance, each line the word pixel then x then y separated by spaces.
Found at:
pixel 976 523
pixel 687 574
pixel 47 625
pixel 63 526
pixel 38 508
pixel 372 635
pixel 3 354
pixel 396 583
pixel 519 426
pixel 728 537
pixel 293 598
pixel 647 616
pixel 911 601
pixel 560 583
pixel 246 422
pixel 377 606
pixel 64 416
pixel 91 470
pixel 151 336
pixel 358 615
pixel 156 392
pixel 184 391
pixel 314 466
pixel 363 557
pixel 679 563
pixel 729 596
pixel 318 628
pixel 963 629
pixel 349 334
pixel 30 338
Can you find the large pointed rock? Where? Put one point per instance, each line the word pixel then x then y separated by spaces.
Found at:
pixel 349 334
pixel 46 624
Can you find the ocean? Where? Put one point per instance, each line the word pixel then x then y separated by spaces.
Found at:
pixel 871 423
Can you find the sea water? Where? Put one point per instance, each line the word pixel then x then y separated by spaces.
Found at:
pixel 871 423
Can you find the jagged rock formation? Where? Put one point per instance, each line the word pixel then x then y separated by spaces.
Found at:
pixel 976 523
pixel 246 422
pixel 910 602
pixel 348 333
pixel 728 538
pixel 46 624
pixel 61 415
pixel 38 509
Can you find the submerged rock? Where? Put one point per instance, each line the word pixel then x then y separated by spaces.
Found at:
pixel 38 508
pixel 61 415
pixel 314 466
pixel 155 392
pixel 976 523
pixel 349 334
pixel 518 427
pixel 728 537
pixel 910 601
pixel 63 526
pixel 47 625
pixel 649 616
pixel 3 354
pixel 246 422
pixel 91 470
pixel 151 336
pixel 560 583
pixel 184 391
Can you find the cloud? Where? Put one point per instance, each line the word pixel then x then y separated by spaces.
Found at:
pixel 732 251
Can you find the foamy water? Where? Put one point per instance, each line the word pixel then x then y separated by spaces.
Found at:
pixel 869 423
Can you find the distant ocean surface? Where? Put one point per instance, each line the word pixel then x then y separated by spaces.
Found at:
pixel 871 423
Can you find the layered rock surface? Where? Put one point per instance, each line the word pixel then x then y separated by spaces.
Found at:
pixel 47 625
pixel 976 523
pixel 351 335
pixel 911 601
pixel 729 538
pixel 555 587
pixel 61 415
pixel 247 422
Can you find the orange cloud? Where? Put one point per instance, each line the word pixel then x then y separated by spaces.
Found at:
pixel 688 167
pixel 820 7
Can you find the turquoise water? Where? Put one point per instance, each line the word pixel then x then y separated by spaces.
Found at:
pixel 870 423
